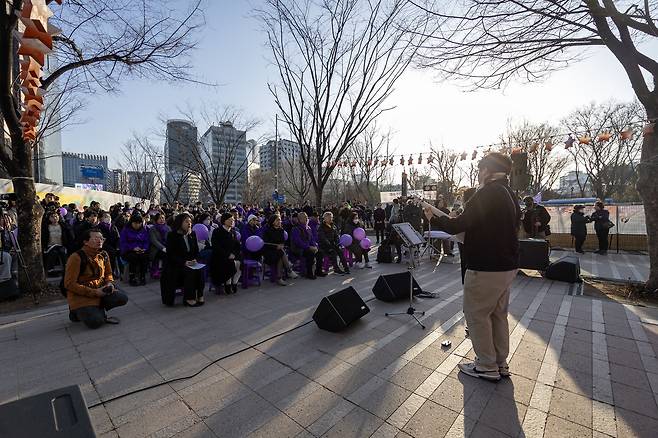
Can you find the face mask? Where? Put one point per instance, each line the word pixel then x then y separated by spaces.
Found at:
pixel 356 221
pixel 206 222
pixel 107 220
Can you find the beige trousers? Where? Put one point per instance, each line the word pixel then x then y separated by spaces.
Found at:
pixel 486 298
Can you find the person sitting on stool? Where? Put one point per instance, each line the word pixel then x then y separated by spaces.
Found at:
pixel 89 288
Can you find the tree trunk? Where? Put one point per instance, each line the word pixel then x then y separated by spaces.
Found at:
pixel 647 185
pixel 318 196
pixel 32 278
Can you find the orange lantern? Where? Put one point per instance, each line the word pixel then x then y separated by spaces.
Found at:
pixel 648 129
pixel 604 137
pixel 585 139
pixel 626 134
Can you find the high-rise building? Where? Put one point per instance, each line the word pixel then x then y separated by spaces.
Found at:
pixel 289 151
pixel 181 155
pixel 117 181
pixel 225 142
pixel 85 171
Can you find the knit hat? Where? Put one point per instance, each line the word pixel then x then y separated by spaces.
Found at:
pixel 251 216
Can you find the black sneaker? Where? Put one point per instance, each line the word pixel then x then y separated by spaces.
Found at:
pixel 320 274
pixel 73 317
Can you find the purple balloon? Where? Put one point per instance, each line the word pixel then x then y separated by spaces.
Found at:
pixel 359 233
pixel 365 243
pixel 285 235
pixel 201 232
pixel 345 240
pixel 63 211
pixel 238 235
pixel 254 243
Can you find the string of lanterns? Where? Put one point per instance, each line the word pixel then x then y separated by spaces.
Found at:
pixel 36 42
pixel 546 144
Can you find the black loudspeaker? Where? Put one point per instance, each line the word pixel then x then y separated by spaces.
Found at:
pixel 519 177
pixel 59 413
pixel 565 269
pixel 393 287
pixel 339 310
pixel 533 254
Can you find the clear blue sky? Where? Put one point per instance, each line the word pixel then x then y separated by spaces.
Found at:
pixel 232 53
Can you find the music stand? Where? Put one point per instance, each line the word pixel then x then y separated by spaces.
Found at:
pixel 412 240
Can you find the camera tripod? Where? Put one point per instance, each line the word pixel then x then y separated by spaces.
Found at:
pixel 8 222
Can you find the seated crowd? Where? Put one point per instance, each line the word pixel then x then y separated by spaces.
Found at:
pixel 183 245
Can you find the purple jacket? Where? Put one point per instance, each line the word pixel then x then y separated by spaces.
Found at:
pixel 131 238
pixel 302 238
pixel 314 229
pixel 247 232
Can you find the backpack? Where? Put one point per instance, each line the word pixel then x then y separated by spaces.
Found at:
pixel 385 253
pixel 83 265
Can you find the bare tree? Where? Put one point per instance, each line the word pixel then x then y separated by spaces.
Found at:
pixel 222 156
pixel 602 154
pixel 445 164
pixel 337 63
pixel 296 181
pixel 468 173
pixel 101 44
pixel 489 43
pixel 365 169
pixel 544 165
pixel 257 188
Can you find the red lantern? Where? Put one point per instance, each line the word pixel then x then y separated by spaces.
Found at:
pixel 402 160
pixel 475 155
pixel 411 161
pixel 548 146
pixel 463 156
pixel 626 135
pixel 391 161
pixel 420 159
pixel 430 159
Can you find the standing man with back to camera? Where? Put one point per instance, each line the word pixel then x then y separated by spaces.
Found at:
pixel 490 221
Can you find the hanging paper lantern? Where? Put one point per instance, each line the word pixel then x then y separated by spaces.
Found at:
pixel 384 162
pixel 402 160
pixel 463 156
pixel 430 159
pixel 626 134
pixel 548 146
pixel 354 163
pixel 648 129
pixel 369 163
pixel 585 139
pixel 420 159
pixel 410 161
pixel 533 147
pixel 375 162
pixel 569 142
pixel 391 162
pixel 516 151
pixel 474 155
pixel 604 137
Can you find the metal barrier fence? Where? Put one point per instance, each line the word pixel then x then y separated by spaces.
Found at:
pixel 628 218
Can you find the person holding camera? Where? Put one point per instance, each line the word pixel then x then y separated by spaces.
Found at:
pixel 88 281
pixel 135 243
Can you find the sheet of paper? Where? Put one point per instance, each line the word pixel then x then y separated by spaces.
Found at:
pixel 197 265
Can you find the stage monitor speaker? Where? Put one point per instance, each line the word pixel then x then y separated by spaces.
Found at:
pixel 534 254
pixel 393 287
pixel 61 413
pixel 565 269
pixel 339 310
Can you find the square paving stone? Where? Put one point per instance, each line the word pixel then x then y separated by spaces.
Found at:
pixel 385 400
pixel 451 394
pixel 574 381
pixel 524 366
pixel 309 409
pixel 633 399
pixel 281 426
pixel 243 417
pixel 431 357
pixel 481 430
pixel 625 358
pixel 411 376
pixel 576 362
pixel 621 343
pixel 516 388
pixel 199 430
pixel 629 376
pixel 431 420
pixel 572 407
pixel 504 415
pixel 284 387
pixel 557 427
pixel 631 424
pixel 358 423
pixel 349 381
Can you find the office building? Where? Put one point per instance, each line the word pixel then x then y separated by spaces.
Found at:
pixel 289 151
pixel 572 181
pixel 221 144
pixel 84 171
pixel 181 154
pixel 117 181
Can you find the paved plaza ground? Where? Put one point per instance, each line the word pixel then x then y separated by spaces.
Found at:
pixel 581 367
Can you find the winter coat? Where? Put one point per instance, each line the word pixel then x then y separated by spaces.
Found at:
pixel 273 236
pixel 579 223
pixel 131 239
pixel 224 243
pixel 301 239
pixel 328 237
pixel 600 219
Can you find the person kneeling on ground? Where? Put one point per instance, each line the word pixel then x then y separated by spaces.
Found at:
pixel 88 283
